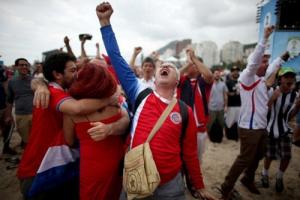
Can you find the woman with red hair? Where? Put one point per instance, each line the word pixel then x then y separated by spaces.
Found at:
pixel 100 161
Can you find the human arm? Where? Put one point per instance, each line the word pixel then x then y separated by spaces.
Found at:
pixel 274 96
pixel 136 52
pixel 225 91
pixel 255 58
pixel 100 131
pixel 68 127
pixel 72 106
pixel 9 103
pixel 275 66
pixel 272 78
pixel 41 93
pixel 83 53
pixel 97 51
pixel 203 69
pixel 127 78
pixel 69 49
pixel 295 109
pixel 190 158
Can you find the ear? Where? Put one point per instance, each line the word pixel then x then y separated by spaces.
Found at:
pixel 57 75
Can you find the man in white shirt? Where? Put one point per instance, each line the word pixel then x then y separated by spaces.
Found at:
pixel 253 118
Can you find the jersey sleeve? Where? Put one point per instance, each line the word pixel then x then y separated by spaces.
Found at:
pixel 57 97
pixel 190 155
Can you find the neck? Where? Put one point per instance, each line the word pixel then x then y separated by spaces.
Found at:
pixel 167 93
pixel 60 83
pixel 147 78
pixel 284 90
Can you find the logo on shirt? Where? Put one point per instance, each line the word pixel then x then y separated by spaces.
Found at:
pixel 175 117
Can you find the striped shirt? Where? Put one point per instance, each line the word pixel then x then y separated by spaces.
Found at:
pixel 278 116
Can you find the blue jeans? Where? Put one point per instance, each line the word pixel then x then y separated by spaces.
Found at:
pixel 172 190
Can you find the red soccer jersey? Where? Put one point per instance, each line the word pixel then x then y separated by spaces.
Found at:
pixel 47 128
pixel 165 145
pixel 198 105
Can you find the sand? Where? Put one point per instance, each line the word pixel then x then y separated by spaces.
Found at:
pixel 218 159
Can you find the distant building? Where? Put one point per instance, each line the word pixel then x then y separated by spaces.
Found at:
pixel 284 15
pixel 174 48
pixel 232 52
pixel 208 51
pixel 46 54
pixel 248 49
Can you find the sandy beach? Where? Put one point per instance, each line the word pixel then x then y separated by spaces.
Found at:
pixel 218 158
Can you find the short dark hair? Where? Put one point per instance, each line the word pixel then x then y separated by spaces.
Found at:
pixel 19 59
pixel 148 60
pixel 56 62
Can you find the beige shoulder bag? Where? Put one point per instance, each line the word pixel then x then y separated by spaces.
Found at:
pixel 141 177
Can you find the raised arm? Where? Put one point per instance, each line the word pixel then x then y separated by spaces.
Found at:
pixel 126 76
pixel 276 64
pixel 136 52
pixel 98 51
pixel 255 58
pixel 83 53
pixel 69 49
pixel 203 69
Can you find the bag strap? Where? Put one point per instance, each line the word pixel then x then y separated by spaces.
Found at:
pixel 140 98
pixel 161 119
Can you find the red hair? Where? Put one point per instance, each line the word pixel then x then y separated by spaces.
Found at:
pixel 93 81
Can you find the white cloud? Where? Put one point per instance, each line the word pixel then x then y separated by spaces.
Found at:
pixel 30 27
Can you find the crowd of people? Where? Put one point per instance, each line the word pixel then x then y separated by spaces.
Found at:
pixel 77 118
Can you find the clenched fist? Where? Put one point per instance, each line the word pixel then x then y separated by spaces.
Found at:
pixel 104 12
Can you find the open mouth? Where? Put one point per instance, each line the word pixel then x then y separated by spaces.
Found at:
pixel 164 72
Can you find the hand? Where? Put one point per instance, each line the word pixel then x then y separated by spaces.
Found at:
pixel 190 53
pixel 99 130
pixel 104 12
pixel 155 55
pixel 66 40
pixel 276 94
pixel 83 40
pixel 205 195
pixel 285 56
pixel 297 103
pixel 41 97
pixel 8 118
pixel 137 50
pixel 268 31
